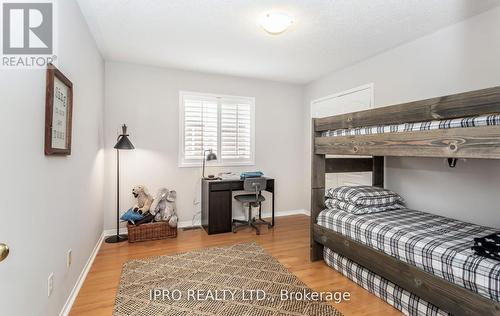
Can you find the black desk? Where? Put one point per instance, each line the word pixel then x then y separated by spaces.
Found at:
pixel 217 203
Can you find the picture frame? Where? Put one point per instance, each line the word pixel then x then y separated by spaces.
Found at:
pixel 58 112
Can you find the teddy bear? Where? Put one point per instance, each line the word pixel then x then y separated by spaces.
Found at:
pixel 144 199
pixel 139 214
pixel 164 207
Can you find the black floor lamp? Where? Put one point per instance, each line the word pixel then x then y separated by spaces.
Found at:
pixel 123 144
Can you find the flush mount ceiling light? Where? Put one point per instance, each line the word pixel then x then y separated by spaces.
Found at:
pixel 276 22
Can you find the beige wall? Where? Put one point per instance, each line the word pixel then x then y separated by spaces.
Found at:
pixel 459 58
pixel 147 99
pixel 50 204
pixel 57 203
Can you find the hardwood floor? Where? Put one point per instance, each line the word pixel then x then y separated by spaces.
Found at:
pixel 288 242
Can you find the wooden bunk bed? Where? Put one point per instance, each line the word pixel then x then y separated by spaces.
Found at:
pixel 476 142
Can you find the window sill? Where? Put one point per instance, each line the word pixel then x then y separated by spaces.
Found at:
pixel 209 165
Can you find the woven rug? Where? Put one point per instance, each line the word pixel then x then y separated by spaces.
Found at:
pixel 239 279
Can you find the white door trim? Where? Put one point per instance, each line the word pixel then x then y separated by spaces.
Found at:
pixel 370 86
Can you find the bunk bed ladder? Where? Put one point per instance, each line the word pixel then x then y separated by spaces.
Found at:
pixel 320 166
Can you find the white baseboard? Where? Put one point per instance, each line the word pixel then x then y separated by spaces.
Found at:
pixel 83 275
pixel 305 212
pixel 287 213
pixel 123 230
pixel 277 214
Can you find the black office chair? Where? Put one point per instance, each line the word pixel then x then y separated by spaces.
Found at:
pixel 255 185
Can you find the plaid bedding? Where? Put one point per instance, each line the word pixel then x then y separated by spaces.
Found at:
pixel 394 295
pixel 475 121
pixel 362 209
pixel 436 244
pixel 364 195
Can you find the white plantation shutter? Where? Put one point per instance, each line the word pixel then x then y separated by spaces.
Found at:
pixel 200 127
pixel 220 123
pixel 236 131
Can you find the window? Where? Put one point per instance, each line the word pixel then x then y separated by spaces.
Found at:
pixel 224 124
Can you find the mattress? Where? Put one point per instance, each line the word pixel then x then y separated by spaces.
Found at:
pixel 407 303
pixel 475 121
pixel 436 244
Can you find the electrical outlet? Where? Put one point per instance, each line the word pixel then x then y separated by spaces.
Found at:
pixel 69 258
pixel 50 284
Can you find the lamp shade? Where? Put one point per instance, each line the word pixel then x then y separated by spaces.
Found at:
pixel 124 143
pixel 211 156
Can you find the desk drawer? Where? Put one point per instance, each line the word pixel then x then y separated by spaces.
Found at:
pixel 221 186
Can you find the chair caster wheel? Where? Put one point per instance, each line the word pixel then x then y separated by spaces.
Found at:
pixel 269 226
pixel 257 233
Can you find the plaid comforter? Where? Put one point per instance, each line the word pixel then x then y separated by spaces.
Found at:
pixel 436 244
pixel 394 295
pixel 476 121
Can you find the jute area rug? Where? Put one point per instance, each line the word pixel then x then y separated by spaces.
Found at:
pixel 239 279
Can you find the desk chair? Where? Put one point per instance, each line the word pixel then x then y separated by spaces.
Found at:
pixel 256 186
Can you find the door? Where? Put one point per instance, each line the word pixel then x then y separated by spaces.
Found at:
pixel 357 99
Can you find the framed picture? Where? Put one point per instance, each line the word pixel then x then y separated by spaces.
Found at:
pixel 58 113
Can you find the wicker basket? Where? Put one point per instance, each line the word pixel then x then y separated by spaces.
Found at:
pixel 150 231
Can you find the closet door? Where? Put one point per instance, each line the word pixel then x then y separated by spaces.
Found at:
pixel 357 99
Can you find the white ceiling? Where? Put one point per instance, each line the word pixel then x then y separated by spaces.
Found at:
pixel 223 36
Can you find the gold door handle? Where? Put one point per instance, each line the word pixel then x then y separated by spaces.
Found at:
pixel 4 252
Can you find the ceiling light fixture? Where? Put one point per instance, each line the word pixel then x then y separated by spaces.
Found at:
pixel 276 22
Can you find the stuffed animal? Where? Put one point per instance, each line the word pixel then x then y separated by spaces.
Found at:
pixel 144 200
pixel 164 207
pixel 159 203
